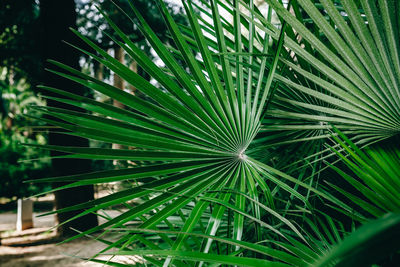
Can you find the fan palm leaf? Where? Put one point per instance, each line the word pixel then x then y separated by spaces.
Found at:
pixel 203 184
pixel 346 73
pixel 191 136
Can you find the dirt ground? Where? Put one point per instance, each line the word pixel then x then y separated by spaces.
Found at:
pixel 50 255
pixel 33 248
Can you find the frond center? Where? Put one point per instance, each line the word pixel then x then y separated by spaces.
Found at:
pixel 241 155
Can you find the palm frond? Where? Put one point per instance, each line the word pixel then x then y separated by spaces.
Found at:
pixel 189 140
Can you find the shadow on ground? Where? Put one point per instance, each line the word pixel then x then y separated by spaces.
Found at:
pixel 37 247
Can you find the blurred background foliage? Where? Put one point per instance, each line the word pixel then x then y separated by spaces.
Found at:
pixel 16 96
pixel 22 68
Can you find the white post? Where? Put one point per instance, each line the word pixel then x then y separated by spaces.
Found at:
pixel 24 215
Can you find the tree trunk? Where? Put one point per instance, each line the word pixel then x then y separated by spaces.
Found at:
pixel 56 18
pixel 119 83
pixel 134 68
pixel 99 69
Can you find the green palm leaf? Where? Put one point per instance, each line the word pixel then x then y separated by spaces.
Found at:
pixel 189 141
pixel 375 175
pixel 202 182
pixel 345 75
pixel 367 245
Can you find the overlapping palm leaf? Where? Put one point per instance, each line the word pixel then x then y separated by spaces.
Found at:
pixel 370 244
pixel 275 132
pixel 345 69
pixel 336 69
pixel 372 175
pixel 339 67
